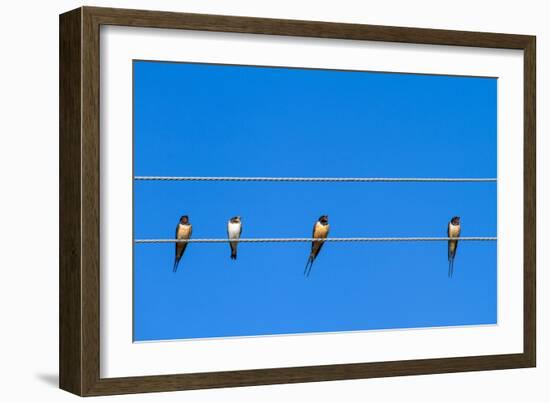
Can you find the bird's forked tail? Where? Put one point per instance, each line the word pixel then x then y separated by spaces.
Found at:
pixel 176 263
pixel 309 263
pixel 451 265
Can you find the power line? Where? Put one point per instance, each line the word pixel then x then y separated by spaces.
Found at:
pixel 298 179
pixel 362 239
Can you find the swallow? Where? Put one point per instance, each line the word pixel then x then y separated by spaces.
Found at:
pixel 234 229
pixel 453 231
pixel 183 231
pixel 320 230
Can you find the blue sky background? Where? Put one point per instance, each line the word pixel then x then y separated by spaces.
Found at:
pixel 214 120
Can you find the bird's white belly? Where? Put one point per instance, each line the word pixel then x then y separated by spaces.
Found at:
pixel 183 231
pixel 233 230
pixel 454 230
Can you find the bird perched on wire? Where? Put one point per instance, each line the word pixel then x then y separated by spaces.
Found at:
pixel 453 231
pixel 320 230
pixel 183 231
pixel 234 230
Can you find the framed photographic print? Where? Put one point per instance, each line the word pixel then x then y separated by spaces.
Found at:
pixel 249 201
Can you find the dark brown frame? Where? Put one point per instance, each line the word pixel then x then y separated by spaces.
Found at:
pixel 79 201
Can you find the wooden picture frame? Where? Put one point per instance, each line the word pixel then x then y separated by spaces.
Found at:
pixel 79 317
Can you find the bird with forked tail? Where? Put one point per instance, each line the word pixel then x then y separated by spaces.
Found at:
pixel 320 230
pixel 234 230
pixel 453 231
pixel 183 231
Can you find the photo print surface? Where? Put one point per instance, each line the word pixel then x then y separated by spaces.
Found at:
pixel 209 121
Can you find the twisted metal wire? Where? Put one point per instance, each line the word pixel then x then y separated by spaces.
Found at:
pixel 361 239
pixel 298 179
